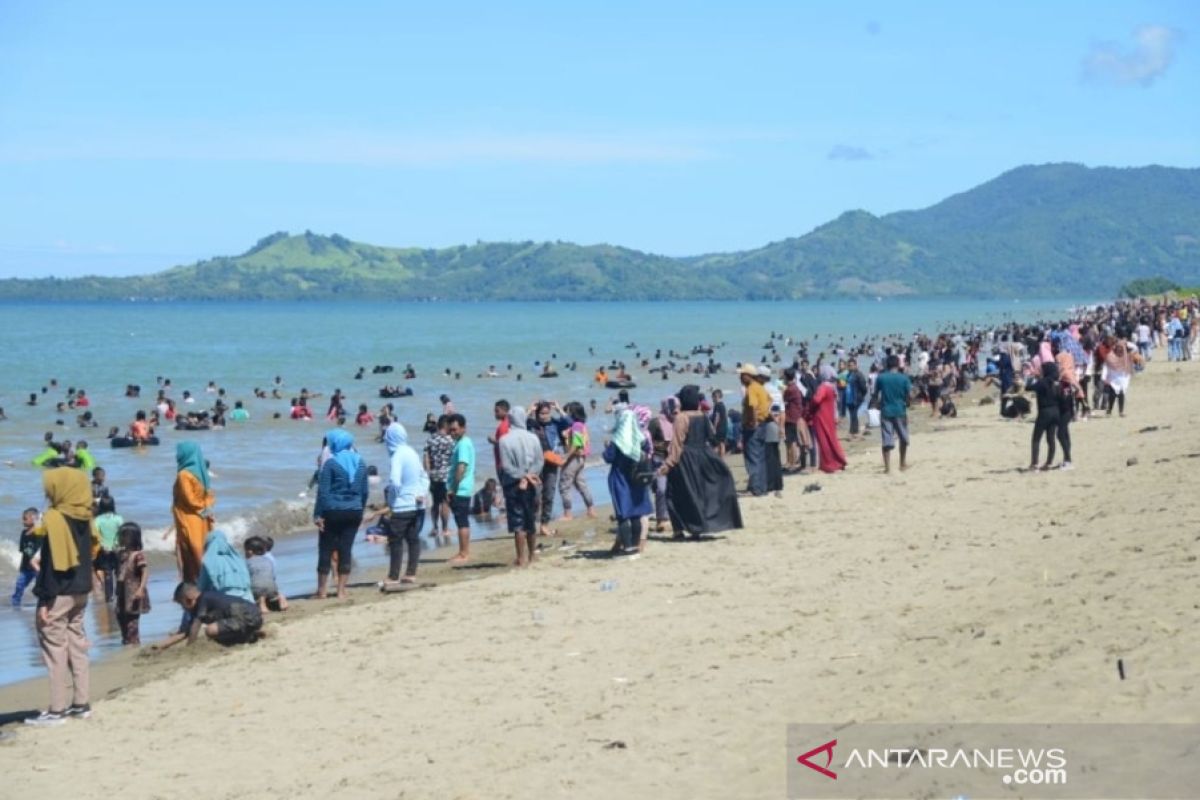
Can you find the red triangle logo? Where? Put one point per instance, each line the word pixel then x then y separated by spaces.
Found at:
pixel 827 749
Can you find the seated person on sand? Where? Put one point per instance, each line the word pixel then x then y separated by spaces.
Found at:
pixel 1013 405
pixel 223 618
pixel 262 574
pixel 486 499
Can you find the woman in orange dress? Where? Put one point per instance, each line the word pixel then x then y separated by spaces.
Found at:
pixel 191 508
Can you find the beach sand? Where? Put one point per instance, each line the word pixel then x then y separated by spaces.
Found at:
pixel 963 590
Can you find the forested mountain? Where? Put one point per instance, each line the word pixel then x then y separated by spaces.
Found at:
pixel 1055 229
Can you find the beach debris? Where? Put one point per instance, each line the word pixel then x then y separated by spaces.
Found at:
pixel 620 680
pixel 615 744
pixel 1152 428
pixel 1121 668
pixel 1131 461
pixel 812 487
pixel 538 616
pixel 987 401
pixel 609 585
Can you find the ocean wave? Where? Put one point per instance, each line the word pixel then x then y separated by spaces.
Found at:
pixel 10 557
pixel 276 519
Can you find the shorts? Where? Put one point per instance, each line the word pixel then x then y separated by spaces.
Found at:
pixel 791 433
pixel 460 507
pixel 267 590
pixel 437 491
pixel 893 428
pixel 241 627
pixel 105 560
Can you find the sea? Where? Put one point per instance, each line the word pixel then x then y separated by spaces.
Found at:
pixel 262 467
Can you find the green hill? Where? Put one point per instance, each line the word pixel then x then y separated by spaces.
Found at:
pixel 1055 229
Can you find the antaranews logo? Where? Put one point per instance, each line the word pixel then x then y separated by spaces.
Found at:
pixel 1040 761
pixel 827 749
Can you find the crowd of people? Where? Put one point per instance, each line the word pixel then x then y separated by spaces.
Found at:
pixel 667 468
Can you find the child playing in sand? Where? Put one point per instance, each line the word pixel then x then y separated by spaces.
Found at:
pixel 29 546
pixel 133 578
pixel 262 574
pixel 224 618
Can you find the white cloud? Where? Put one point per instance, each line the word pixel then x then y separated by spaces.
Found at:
pixel 1150 56
pixel 847 152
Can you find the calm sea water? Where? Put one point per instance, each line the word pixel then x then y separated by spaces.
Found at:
pixel 263 466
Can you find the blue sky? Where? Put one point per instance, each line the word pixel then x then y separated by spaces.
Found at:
pixel 137 136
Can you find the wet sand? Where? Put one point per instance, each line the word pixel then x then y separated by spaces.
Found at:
pixel 963 590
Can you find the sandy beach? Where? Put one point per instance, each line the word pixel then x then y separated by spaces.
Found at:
pixel 962 590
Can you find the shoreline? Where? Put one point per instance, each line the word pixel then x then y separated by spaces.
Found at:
pixel 996 595
pixel 127 667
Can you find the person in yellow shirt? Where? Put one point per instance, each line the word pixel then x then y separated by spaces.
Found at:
pixel 756 412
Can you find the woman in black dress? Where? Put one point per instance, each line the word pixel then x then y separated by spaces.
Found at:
pixel 701 495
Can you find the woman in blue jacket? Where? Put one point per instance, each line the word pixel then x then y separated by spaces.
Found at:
pixel 341 498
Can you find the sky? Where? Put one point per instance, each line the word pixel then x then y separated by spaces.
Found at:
pixel 139 136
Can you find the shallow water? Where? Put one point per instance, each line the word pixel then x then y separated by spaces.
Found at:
pixel 262 467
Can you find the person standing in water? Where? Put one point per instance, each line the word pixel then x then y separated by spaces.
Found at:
pixel 439 448
pixel 408 483
pixel 342 489
pixel 191 509
pixel 460 484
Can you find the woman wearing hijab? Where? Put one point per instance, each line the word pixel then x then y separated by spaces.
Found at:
pixel 630 496
pixel 223 569
pixel 341 497
pixel 702 497
pixel 63 582
pixel 1049 414
pixel 191 509
pixel 821 414
pixel 407 485
pixel 772 440
pixel 662 431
